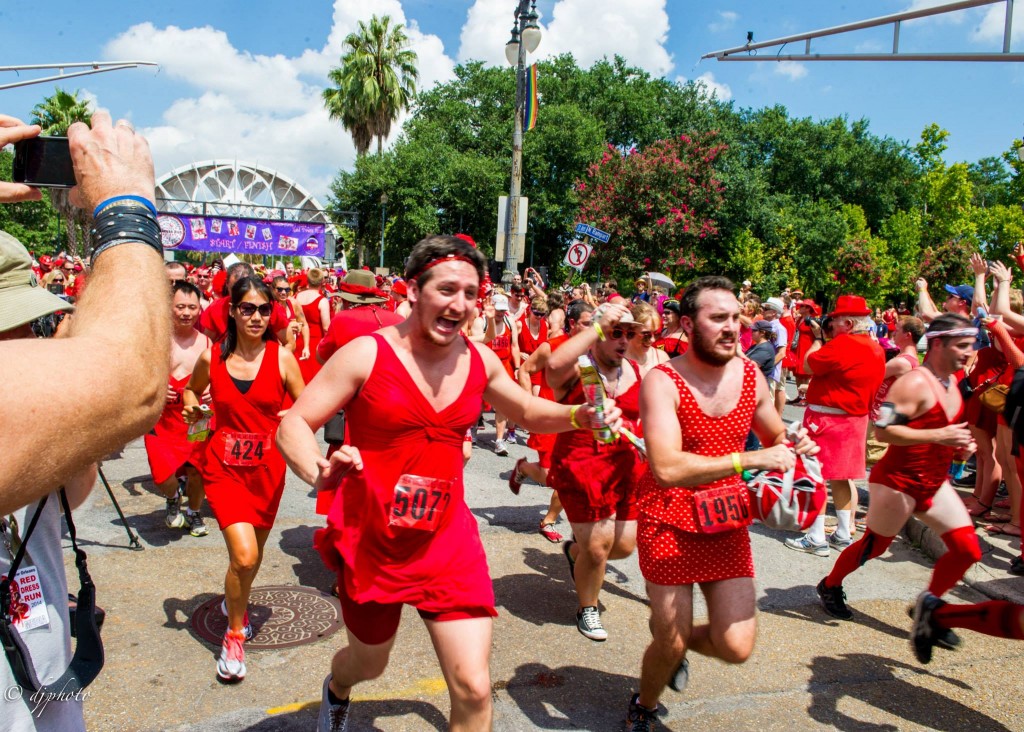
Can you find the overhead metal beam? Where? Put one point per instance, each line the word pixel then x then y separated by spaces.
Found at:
pixel 91 67
pixel 748 52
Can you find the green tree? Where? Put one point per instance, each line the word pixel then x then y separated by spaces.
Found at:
pixel 55 114
pixel 375 82
pixel 33 223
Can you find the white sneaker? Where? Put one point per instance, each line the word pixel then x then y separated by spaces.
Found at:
pixel 500 449
pixel 804 544
pixel 246 625
pixel 173 518
pixel 231 664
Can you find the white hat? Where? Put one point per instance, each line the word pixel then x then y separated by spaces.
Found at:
pixel 775 304
pixel 500 302
pixel 746 283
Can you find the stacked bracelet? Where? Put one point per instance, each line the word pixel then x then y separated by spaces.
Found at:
pixel 128 201
pixel 125 221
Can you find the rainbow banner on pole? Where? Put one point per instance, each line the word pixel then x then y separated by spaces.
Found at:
pixel 530 113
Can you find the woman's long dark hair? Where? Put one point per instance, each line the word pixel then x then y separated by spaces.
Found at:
pixel 241 288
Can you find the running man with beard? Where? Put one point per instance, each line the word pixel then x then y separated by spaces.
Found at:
pixel 399 531
pixel 697 411
pixel 167 446
pixel 596 482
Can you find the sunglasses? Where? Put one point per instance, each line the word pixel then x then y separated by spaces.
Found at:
pixel 55 280
pixel 618 333
pixel 645 334
pixel 247 309
pixel 283 289
pixel 539 313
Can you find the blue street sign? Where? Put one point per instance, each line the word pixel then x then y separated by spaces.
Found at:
pixel 588 230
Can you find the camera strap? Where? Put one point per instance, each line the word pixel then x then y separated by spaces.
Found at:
pixel 87 661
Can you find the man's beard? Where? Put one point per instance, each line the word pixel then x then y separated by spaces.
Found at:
pixel 703 350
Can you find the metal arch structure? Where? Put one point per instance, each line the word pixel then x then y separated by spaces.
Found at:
pixel 748 52
pixel 88 67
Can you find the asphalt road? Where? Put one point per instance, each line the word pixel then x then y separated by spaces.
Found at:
pixel 808 671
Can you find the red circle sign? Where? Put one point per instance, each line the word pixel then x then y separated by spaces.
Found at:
pixel 577 254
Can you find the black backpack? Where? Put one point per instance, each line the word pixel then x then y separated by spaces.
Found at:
pixel 1013 411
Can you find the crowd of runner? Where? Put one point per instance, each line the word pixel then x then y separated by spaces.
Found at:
pixel 694 386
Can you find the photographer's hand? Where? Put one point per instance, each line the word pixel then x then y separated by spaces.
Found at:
pixel 109 161
pixel 14 130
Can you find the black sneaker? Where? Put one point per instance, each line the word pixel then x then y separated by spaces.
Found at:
pixel 967 480
pixel 833 599
pixel 566 550
pixel 638 718
pixel 923 633
pixel 588 622
pixel 1017 566
pixel 332 717
pixel 945 638
pixel 681 677
pixel 195 524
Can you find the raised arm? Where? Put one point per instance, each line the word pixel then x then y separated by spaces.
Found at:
pixel 925 306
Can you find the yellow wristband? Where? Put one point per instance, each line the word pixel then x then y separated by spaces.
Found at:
pixel 736 464
pixel 600 333
pixel 572 416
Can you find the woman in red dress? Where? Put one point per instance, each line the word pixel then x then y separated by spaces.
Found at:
pixel 248 374
pixel 317 311
pixel 806 309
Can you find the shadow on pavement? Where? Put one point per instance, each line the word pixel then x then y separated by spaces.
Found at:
pixel 878 682
pixel 801 602
pixel 309 568
pixel 537 688
pixel 179 614
pixel 520 519
pixel 363 716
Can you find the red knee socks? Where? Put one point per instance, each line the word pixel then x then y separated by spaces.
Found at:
pixel 871 545
pixel 997 617
pixel 963 551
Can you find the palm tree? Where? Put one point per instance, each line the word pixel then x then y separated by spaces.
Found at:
pixel 55 114
pixel 375 83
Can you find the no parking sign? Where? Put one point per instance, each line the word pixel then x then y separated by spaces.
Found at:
pixel 578 254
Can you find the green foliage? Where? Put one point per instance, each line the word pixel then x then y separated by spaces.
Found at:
pixel 33 223
pixel 902 233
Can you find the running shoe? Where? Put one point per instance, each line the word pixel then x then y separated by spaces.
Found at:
pixel 945 638
pixel 231 664
pixel 515 481
pixel 500 449
pixel 837 543
pixel 638 718
pixel 1017 566
pixel 925 630
pixel 196 526
pixel 247 630
pixel 333 717
pixel 174 519
pixel 588 622
pixel 510 436
pixel 681 676
pixel 567 551
pixel 804 544
pixel 833 599
pixel 967 480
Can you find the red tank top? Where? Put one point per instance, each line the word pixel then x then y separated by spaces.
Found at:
pixel 883 390
pixel 171 423
pixel 701 435
pixel 628 401
pixel 908 468
pixel 527 343
pixel 254 412
pixel 312 313
pixel 502 344
pixel 399 433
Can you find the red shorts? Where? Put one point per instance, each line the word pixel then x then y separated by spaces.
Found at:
pixel 923 495
pixel 544 459
pixel 374 623
pixel 843 442
pixel 593 487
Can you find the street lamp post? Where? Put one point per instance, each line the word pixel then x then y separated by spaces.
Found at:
pixel 525 38
pixel 383 218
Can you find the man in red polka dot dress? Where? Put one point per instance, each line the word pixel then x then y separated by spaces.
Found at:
pixel 697 410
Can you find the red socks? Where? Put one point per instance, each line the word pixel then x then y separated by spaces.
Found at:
pixel 997 617
pixel 963 551
pixel 871 545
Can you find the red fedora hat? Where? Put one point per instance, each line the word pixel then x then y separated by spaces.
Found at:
pixel 850 305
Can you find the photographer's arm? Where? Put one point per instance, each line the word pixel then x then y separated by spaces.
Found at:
pixel 113 360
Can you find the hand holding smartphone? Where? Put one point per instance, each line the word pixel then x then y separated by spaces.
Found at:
pixel 44 162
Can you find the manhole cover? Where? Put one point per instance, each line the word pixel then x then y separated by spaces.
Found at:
pixel 281 617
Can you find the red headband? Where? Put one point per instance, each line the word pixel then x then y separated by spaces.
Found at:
pixel 453 257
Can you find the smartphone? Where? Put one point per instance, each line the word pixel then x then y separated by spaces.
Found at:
pixel 56 288
pixel 44 162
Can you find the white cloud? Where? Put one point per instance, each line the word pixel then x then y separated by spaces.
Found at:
pixel 992 26
pixel 791 69
pixel 588 29
pixel 259 108
pixel 711 87
pixel 726 20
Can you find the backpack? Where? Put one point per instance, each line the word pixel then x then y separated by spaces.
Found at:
pixel 1013 411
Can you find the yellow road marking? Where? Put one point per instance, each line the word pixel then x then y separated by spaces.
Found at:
pixel 424 686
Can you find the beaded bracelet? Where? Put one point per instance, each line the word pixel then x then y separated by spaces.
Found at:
pixel 124 201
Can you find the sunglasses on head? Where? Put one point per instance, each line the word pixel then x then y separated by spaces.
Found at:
pixel 247 309
pixel 645 334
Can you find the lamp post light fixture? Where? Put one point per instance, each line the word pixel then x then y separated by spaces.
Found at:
pixel 525 39
pixel 383 218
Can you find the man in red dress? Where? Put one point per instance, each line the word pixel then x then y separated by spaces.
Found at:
pixel 697 411
pixel 846 373
pixel 399 531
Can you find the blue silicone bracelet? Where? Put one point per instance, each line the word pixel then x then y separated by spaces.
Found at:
pixel 144 201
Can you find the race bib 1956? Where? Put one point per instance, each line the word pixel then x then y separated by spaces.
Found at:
pixel 721 509
pixel 419 503
pixel 245 449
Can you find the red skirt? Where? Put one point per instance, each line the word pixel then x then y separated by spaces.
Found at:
pixel 670 556
pixel 249 495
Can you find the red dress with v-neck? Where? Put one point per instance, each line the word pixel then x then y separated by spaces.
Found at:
pixel 398 432
pixel 245 494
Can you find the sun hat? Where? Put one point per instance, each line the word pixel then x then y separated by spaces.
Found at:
pixel 22 300
pixel 360 286
pixel 850 305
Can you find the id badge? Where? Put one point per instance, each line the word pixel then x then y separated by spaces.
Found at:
pixel 721 509
pixel 244 449
pixel 419 503
pixel 28 606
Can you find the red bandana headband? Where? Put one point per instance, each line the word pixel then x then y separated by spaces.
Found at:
pixel 453 257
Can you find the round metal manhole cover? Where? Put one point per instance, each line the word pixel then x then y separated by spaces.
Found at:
pixel 281 617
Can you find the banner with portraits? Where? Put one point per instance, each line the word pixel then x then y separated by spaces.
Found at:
pixel 241 236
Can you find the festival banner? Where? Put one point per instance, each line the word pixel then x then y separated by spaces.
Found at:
pixel 241 236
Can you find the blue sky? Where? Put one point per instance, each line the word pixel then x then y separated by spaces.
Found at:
pixel 242 81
